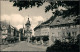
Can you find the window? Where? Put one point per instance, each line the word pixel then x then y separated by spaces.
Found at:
pixel 74 26
pixel 71 26
pixel 78 26
pixel 69 34
pixel 63 27
pixel 73 33
pixel 66 28
pixel 63 33
pixel 60 27
pixel 52 33
pixel 59 33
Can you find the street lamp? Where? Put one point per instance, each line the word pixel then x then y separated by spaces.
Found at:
pixel 0 32
pixel 0 27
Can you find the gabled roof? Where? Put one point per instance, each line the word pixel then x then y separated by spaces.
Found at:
pixel 46 23
pixel 49 20
pixel 59 20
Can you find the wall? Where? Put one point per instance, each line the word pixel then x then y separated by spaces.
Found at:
pixel 45 31
pixel 42 31
pixel 37 32
pixel 61 33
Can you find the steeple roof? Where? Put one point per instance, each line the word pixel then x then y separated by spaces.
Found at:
pixel 28 22
pixel 59 20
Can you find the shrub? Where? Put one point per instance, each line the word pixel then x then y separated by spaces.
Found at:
pixel 63 47
pixel 32 39
pixel 78 39
pixel 38 38
pixel 11 39
pixel 45 38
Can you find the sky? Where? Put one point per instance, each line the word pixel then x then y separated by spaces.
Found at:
pixel 17 18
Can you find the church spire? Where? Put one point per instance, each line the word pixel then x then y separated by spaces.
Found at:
pixel 28 22
pixel 28 19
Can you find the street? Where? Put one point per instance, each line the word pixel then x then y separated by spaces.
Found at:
pixel 24 46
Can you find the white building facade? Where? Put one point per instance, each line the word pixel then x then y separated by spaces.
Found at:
pixel 61 29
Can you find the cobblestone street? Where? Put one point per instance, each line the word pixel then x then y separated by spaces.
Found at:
pixel 24 46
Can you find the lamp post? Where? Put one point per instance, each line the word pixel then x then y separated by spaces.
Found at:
pixel 0 33
pixel 0 29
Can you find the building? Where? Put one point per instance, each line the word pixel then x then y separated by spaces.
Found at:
pixel 4 32
pixel 43 29
pixel 59 28
pixel 28 30
pixel 7 30
pixel 64 29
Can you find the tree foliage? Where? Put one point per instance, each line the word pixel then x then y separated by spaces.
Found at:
pixel 78 39
pixel 32 38
pixel 63 47
pixel 71 6
pixel 26 4
pixel 38 38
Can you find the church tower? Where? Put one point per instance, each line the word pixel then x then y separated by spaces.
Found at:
pixel 28 30
pixel 28 25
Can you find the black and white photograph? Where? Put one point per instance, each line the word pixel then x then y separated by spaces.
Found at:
pixel 39 25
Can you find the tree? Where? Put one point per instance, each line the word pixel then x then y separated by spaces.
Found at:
pixel 72 7
pixel 32 38
pixel 21 33
pixel 63 47
pixel 9 29
pixel 15 31
pixel 78 39
pixel 38 38
pixel 27 3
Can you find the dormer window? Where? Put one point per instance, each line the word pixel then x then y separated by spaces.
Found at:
pixel 58 21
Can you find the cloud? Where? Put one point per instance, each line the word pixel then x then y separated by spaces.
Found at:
pixel 17 20
pixel 19 26
pixel 36 19
pixel 5 17
pixel 14 19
